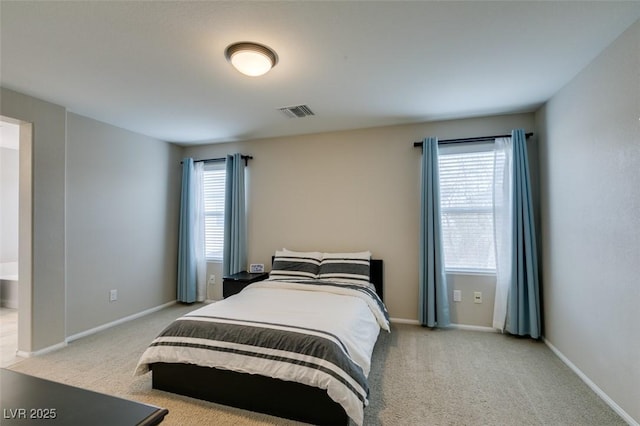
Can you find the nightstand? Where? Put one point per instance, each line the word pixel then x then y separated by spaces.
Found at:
pixel 233 284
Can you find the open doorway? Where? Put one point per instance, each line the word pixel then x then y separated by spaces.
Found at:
pixel 9 214
pixel 15 235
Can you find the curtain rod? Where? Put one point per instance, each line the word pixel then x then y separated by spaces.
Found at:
pixel 246 159
pixel 476 139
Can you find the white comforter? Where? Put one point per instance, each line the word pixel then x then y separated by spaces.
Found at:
pixel 352 317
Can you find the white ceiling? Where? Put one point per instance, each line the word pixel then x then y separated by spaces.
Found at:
pixel 158 67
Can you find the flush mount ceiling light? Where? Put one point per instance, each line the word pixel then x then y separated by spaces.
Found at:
pixel 251 59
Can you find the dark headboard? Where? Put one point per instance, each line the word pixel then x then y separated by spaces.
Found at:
pixel 376 274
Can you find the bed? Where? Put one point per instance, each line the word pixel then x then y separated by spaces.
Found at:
pixel 297 345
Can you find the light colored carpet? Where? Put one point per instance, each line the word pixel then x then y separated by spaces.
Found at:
pixel 8 336
pixel 419 377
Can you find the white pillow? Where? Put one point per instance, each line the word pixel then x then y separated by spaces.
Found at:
pixel 346 268
pixel 350 255
pixel 289 264
pixel 310 254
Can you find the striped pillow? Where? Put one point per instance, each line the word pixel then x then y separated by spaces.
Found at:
pixel 295 265
pixel 348 268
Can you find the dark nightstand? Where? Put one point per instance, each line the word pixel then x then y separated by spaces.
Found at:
pixel 233 284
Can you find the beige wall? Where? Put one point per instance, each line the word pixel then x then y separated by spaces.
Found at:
pixel 466 311
pixel 123 196
pixel 350 190
pixel 43 323
pixel 104 206
pixel 590 175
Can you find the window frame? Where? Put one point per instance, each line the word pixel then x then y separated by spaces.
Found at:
pixel 467 148
pixel 214 254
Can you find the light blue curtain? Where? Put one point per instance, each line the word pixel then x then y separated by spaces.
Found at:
pixel 523 305
pixel 434 300
pixel 187 261
pixel 235 222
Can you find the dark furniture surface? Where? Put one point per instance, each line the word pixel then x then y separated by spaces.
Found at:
pixel 251 392
pixel 233 284
pixel 255 392
pixel 30 400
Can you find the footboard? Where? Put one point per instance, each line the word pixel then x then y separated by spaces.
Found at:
pixel 252 392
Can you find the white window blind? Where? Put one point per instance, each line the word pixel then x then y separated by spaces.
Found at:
pixel 214 181
pixel 466 199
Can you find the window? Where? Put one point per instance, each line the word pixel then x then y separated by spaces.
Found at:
pixel 466 200
pixel 214 181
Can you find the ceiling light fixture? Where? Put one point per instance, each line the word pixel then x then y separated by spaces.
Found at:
pixel 251 59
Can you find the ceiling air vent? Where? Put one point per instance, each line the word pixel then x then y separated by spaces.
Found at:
pixel 298 111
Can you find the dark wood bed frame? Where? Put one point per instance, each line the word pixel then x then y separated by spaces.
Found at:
pixel 255 392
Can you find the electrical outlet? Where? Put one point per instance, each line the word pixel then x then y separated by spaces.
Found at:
pixel 457 296
pixel 113 295
pixel 212 279
pixel 477 297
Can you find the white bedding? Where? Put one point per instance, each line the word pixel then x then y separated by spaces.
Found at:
pixel 353 317
pixel 332 309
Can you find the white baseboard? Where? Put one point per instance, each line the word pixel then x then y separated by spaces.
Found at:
pixel 473 328
pixel 46 350
pixel 7 303
pixel 610 402
pixel 117 322
pixel 456 326
pixel 404 321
